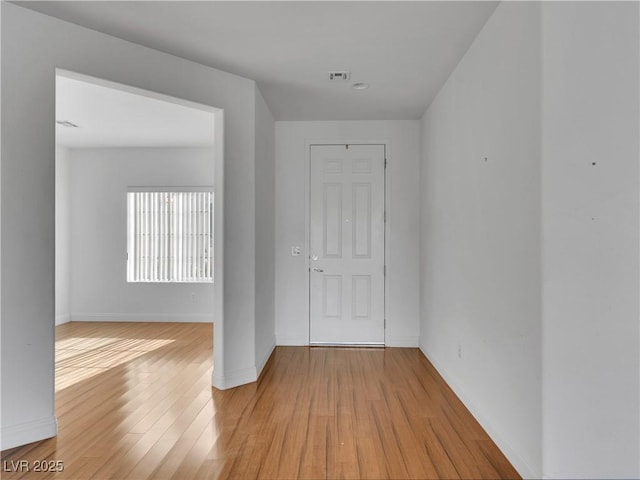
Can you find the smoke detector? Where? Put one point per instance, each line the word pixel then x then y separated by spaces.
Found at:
pixel 339 76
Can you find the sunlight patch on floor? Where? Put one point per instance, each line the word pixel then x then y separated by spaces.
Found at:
pixel 75 363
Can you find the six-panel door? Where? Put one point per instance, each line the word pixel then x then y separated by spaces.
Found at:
pixel 347 244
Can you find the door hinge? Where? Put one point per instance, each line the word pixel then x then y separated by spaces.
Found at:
pixel 385 163
pixel 384 270
pixel 385 216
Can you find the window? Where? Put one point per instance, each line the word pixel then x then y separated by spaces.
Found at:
pixel 170 236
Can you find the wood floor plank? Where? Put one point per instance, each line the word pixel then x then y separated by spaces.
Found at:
pixel 134 401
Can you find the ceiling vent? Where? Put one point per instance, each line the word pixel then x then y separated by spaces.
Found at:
pixel 66 123
pixel 339 76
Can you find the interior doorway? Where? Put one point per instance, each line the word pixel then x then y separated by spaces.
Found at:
pixel 347 244
pixel 110 139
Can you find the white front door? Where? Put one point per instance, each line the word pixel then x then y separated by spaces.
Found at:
pixel 347 244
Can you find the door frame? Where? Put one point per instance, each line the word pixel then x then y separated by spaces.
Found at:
pixel 307 217
pixel 218 373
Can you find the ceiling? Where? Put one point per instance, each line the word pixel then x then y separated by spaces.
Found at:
pixel 112 117
pixel 405 50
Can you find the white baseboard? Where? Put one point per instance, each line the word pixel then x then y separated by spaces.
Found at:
pixel 242 376
pixel 23 433
pixel 141 317
pixel 516 460
pixel 234 379
pixel 264 358
pixel 404 342
pixel 294 341
pixel 60 319
pixel 390 341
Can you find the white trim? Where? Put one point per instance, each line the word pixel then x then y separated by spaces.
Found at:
pixel 307 206
pixel 292 341
pixel 235 378
pixel 65 318
pixel 141 317
pixel 28 432
pixel 218 246
pixel 402 342
pixel 264 358
pixel 516 460
pixel 241 377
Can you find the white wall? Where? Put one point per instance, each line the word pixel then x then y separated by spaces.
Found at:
pixel 265 232
pixel 530 259
pixel 591 397
pixel 63 237
pixel 480 268
pixel 99 181
pixel 33 46
pixel 403 145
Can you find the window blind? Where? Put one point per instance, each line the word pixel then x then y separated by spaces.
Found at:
pixel 170 236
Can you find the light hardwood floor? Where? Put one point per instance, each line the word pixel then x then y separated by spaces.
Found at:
pixel 134 401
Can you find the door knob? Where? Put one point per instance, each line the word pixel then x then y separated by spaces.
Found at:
pixel 317 270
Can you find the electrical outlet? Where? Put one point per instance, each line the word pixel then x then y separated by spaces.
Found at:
pixel 460 351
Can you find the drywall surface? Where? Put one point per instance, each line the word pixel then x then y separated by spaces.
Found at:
pixel 265 232
pixel 590 191
pixel 63 237
pixel 33 46
pixel 98 230
pixel 480 241
pixel 402 243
